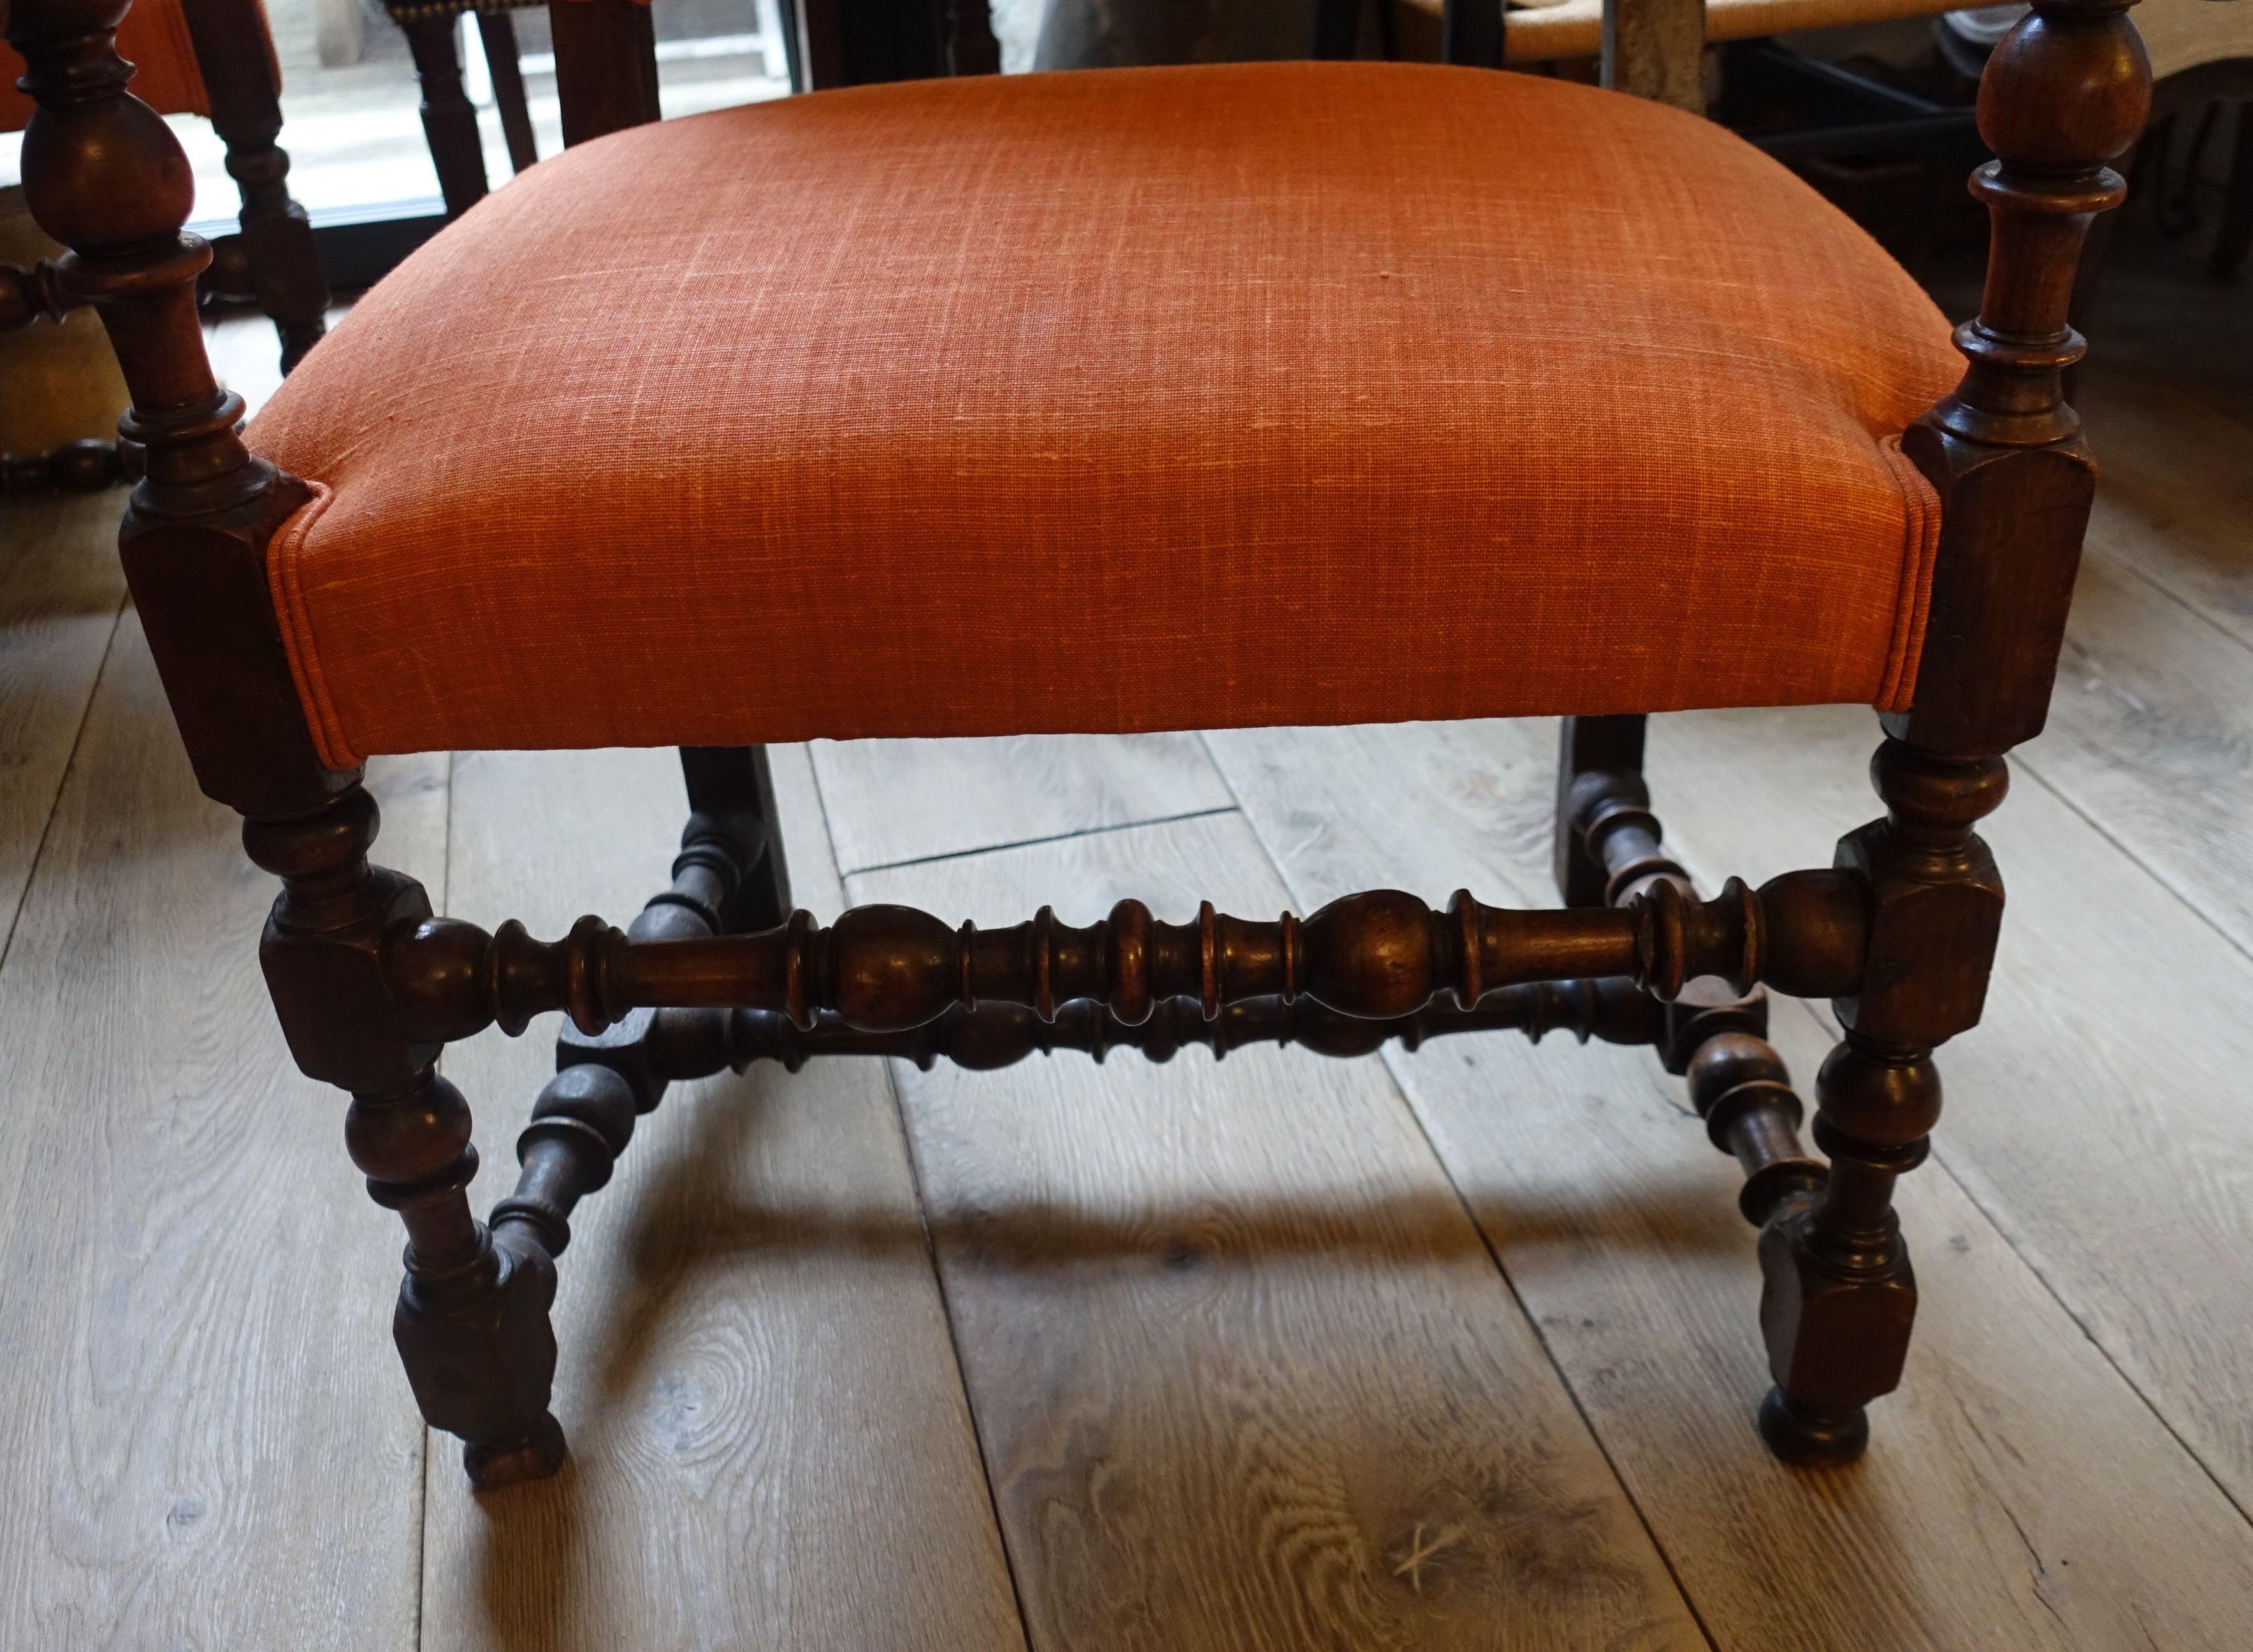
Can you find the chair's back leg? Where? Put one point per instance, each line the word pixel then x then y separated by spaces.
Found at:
pixel 731 798
pixel 1337 29
pixel 1471 33
pixel 1596 755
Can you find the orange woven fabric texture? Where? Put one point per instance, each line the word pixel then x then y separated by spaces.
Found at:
pixel 153 38
pixel 1127 399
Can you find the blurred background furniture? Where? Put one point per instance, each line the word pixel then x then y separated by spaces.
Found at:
pixel 214 59
pixel 466 53
pixel 60 391
pixel 1870 100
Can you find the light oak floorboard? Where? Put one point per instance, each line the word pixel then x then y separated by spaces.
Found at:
pixel 771 1445
pixel 206 1443
pixel 2162 312
pixel 1245 1377
pixel 2175 499
pixel 895 800
pixel 2151 736
pixel 2018 1493
pixel 60 594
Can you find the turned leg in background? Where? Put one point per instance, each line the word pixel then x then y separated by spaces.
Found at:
pixel 274 260
pixel 1598 758
pixel 732 804
pixel 729 878
pixel 1607 852
pixel 449 120
pixel 471 1324
pixel 497 34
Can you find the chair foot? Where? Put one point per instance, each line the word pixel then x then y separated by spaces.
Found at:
pixel 538 1455
pixel 1807 1437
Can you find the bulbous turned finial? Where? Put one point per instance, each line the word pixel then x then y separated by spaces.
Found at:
pixel 2067 89
pixel 103 173
pixel 2066 93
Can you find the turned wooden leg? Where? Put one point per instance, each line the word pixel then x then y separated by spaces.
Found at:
pixel 1839 1295
pixel 1599 759
pixel 731 805
pixel 1608 853
pixel 276 263
pixel 728 878
pixel 282 261
pixel 449 120
pixel 496 33
pixel 471 1324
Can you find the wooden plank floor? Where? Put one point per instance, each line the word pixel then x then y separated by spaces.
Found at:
pixel 1449 1350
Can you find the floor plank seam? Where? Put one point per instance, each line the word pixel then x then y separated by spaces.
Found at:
pixel 954 1345
pixel 62 784
pixel 1548 1352
pixel 2021 762
pixel 421 1540
pixel 828 831
pixel 1940 1157
pixel 2118 563
pixel 1027 843
pixel 930 1260
pixel 1493 1251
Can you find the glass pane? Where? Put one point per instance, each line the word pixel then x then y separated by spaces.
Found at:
pixel 350 105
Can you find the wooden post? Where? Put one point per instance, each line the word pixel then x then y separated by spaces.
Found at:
pixel 450 124
pixel 1656 49
pixel 2064 94
pixel 605 66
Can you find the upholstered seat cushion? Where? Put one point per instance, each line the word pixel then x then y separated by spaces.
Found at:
pixel 1132 399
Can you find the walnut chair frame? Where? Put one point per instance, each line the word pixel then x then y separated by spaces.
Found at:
pixel 1899 932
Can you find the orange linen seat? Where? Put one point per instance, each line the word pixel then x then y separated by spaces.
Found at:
pixel 1129 399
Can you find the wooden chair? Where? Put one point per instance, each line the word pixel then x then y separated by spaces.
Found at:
pixel 1107 402
pixel 449 120
pixel 214 59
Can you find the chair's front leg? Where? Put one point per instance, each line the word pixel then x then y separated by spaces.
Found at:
pixel 472 1323
pixel 1840 1296
pixel 2015 484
